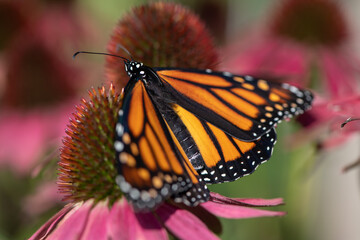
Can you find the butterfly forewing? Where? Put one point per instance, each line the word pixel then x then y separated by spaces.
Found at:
pixel 242 106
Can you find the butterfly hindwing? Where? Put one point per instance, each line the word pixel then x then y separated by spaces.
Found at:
pixel 198 192
pixel 151 169
pixel 219 157
pixel 242 106
pixel 237 158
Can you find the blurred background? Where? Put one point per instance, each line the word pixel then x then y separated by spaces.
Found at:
pixel 311 43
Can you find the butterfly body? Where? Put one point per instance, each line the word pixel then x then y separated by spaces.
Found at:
pixel 181 129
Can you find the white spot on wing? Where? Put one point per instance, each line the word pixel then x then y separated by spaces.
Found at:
pixel 227 74
pixel 119 129
pixel 119 146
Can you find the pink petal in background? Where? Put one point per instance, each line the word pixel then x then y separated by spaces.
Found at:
pixel 21 140
pixel 25 137
pixel 339 74
pixel 46 195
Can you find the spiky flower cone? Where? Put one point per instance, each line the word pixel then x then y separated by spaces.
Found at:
pixel 160 34
pixel 87 165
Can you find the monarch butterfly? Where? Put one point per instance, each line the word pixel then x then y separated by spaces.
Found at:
pixel 180 129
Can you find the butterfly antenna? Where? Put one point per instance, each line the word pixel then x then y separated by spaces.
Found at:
pixel 100 53
pixel 125 50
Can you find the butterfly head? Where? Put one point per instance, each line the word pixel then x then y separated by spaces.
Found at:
pixel 133 68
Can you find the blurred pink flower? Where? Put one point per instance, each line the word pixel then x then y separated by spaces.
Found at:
pixel 304 38
pixel 38 84
pixel 306 42
pixel 26 136
pixel 89 220
pixel 264 55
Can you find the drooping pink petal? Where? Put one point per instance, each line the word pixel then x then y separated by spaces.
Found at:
pixel 73 224
pixel 51 224
pixel 234 211
pixel 124 224
pixel 183 224
pixel 96 225
pixel 118 215
pixel 258 202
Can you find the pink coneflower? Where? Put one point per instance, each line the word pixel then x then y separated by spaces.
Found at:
pixel 98 209
pixel 87 178
pixel 306 42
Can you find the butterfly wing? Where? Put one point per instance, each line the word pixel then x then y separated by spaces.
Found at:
pixel 151 169
pixel 198 192
pixel 242 106
pixel 219 157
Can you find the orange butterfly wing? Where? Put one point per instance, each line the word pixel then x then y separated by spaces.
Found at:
pixel 219 156
pixel 151 168
pixel 242 106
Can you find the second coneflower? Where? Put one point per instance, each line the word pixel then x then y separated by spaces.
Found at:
pixel 305 39
pixel 160 34
pixel 306 42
